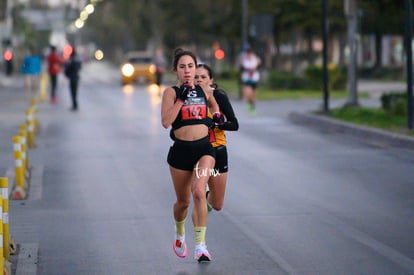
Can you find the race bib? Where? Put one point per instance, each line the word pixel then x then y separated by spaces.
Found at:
pixel 194 108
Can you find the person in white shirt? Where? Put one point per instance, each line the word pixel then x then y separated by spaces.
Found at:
pixel 250 76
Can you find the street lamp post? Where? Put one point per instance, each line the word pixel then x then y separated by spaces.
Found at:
pixel 9 18
pixel 243 22
pixel 324 7
pixel 350 12
pixel 243 4
pixel 408 47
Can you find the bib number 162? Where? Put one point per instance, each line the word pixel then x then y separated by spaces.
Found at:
pixel 193 112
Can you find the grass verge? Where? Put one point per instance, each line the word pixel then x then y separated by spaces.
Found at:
pixel 371 117
pixel 232 87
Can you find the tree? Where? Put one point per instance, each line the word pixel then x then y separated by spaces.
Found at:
pixel 131 24
pixel 381 17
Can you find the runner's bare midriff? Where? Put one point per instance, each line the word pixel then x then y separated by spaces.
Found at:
pixel 191 132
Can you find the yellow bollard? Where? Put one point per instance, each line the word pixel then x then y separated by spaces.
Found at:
pixel 30 128
pixel 1 235
pixel 23 148
pixel 44 81
pixel 19 169
pixel 23 128
pixel 19 191
pixel 33 110
pixel 4 185
pixel 25 152
pixel 20 146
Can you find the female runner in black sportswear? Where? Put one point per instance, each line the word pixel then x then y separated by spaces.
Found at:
pixel 191 157
pixel 217 182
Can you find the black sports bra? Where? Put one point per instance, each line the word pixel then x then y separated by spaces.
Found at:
pixel 194 109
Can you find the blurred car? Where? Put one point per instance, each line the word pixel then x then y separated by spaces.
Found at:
pixel 138 67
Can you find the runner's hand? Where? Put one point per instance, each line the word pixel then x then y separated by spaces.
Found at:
pixel 218 119
pixel 184 89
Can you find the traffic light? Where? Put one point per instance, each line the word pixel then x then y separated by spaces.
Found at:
pixel 8 61
pixel 67 51
pixel 219 54
pixel 8 55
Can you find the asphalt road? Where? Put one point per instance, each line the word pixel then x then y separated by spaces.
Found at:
pixel 299 200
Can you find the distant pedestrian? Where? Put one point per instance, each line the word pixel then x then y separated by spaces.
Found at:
pixel 54 67
pixel 160 63
pixel 31 68
pixel 72 68
pixel 249 65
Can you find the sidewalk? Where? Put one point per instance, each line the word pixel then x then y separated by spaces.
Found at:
pixel 10 81
pixel 13 107
pixel 376 89
pixel 374 136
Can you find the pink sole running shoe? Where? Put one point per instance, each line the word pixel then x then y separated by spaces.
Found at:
pixel 180 248
pixel 201 253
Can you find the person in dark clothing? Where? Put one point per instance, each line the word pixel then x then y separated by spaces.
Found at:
pixel 217 185
pixel 72 68
pixel 160 63
pixel 54 68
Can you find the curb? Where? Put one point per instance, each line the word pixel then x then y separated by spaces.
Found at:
pixel 373 135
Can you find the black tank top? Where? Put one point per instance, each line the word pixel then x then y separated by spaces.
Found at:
pixel 194 109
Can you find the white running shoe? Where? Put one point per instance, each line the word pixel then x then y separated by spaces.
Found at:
pixel 179 246
pixel 201 253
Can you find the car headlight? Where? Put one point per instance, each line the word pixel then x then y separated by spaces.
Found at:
pixel 152 69
pixel 127 70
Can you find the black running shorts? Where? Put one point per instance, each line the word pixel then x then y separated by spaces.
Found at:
pixel 221 159
pixel 250 83
pixel 184 155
